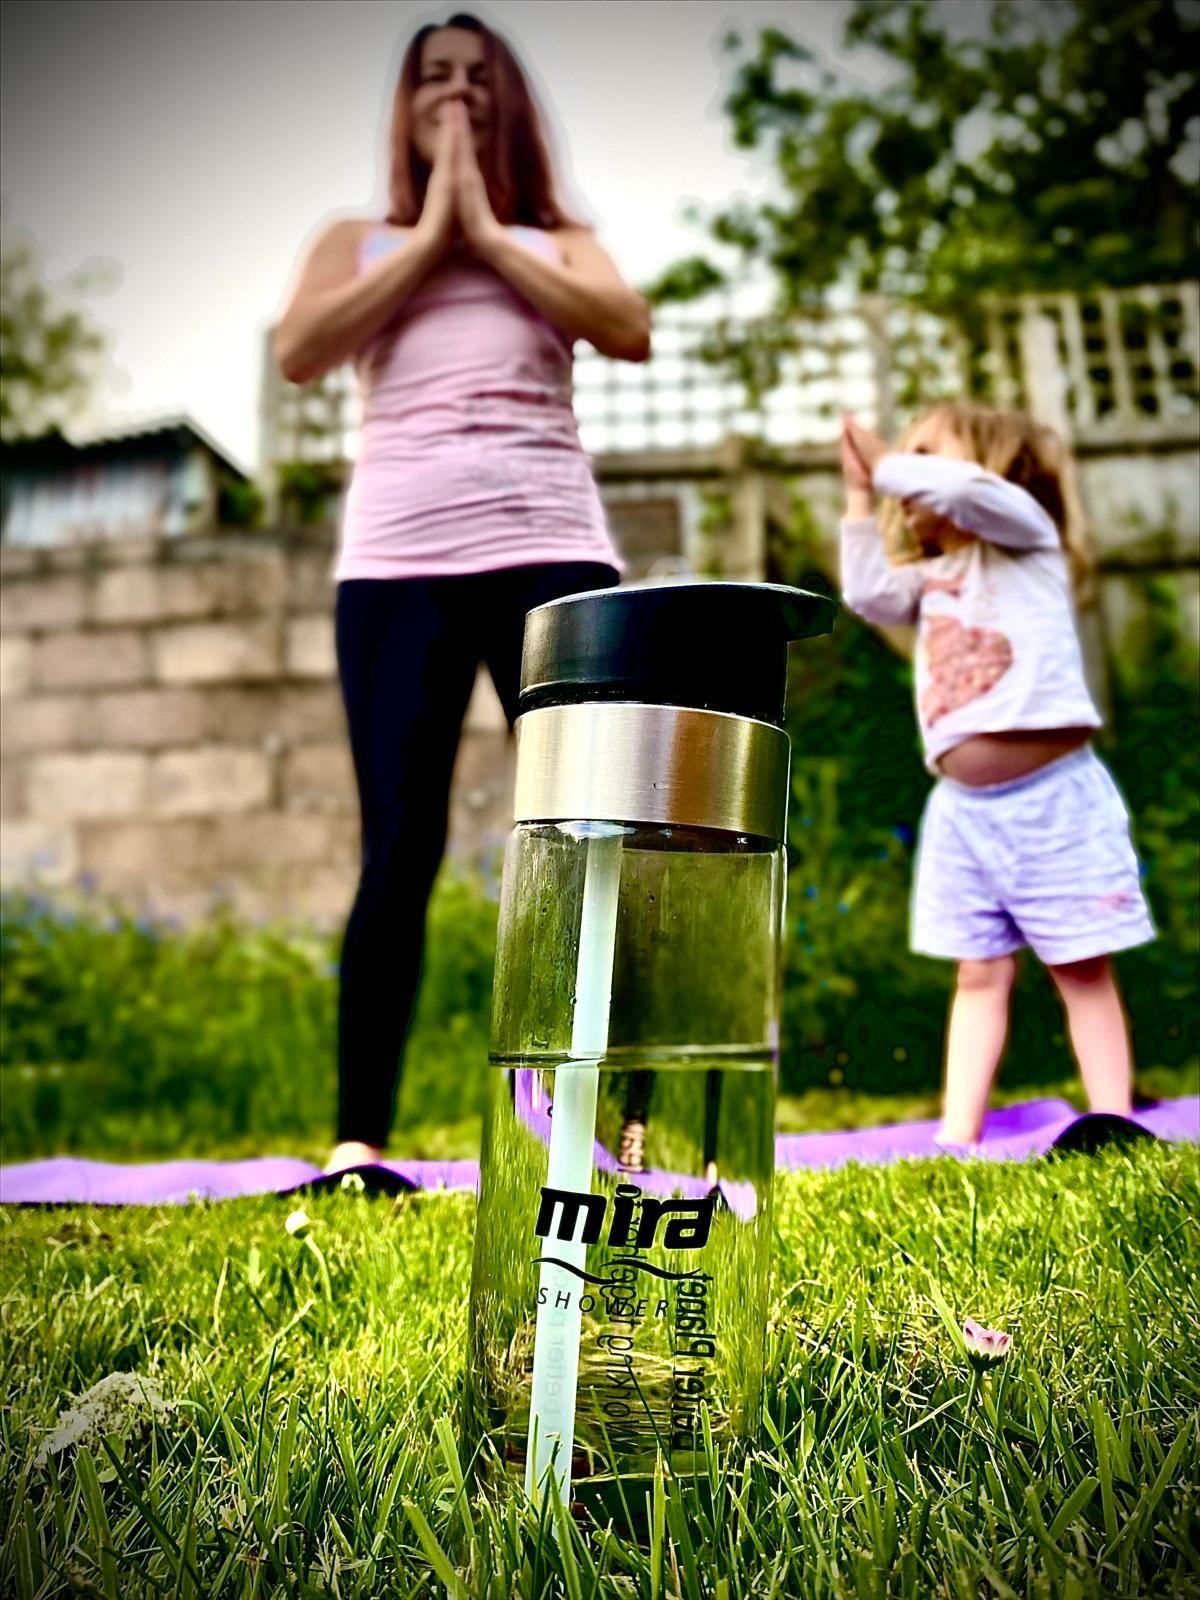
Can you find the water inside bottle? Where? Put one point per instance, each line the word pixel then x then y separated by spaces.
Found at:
pixel 671 1295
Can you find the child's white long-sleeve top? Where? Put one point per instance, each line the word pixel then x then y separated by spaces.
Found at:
pixel 997 647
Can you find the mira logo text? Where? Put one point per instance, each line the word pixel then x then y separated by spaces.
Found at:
pixel 634 1221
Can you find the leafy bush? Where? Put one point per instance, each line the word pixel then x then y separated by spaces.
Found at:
pixel 239 505
pixel 209 1035
pixel 1156 762
pixel 307 489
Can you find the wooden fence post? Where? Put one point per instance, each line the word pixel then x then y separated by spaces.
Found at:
pixel 874 309
pixel 1044 382
pixel 270 396
pixel 743 552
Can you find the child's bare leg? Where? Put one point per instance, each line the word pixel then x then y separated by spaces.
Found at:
pixel 1099 1032
pixel 974 1042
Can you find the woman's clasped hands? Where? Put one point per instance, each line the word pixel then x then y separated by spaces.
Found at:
pixel 456 200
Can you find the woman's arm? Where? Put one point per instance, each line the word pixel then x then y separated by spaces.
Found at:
pixel 334 309
pixel 970 497
pixel 585 297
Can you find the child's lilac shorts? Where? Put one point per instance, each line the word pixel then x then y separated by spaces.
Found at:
pixel 1045 860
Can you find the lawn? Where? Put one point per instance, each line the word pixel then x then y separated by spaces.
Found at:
pixel 298 1431
pixel 289 1422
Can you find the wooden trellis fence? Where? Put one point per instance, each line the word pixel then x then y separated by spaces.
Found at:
pixel 1099 362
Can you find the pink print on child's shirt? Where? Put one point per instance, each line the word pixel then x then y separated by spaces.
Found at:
pixel 964 664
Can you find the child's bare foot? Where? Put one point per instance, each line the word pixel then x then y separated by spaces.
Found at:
pixel 353 1153
pixel 951 1138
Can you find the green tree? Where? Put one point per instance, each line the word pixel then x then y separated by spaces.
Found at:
pixel 1033 144
pixel 50 349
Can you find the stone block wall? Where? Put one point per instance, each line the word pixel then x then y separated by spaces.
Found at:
pixel 172 728
pixel 170 720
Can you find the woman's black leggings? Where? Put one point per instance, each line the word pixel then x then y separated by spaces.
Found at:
pixel 408 650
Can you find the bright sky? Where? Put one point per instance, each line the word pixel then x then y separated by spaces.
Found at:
pixel 198 143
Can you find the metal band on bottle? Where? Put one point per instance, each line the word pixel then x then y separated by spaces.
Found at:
pixel 627 762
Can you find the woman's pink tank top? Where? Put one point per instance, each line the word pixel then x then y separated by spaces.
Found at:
pixel 470 458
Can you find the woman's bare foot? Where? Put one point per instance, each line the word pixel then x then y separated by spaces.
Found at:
pixel 353 1153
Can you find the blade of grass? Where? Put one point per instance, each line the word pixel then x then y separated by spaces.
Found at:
pixel 438 1559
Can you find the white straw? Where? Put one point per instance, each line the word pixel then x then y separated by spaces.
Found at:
pixel 572 1134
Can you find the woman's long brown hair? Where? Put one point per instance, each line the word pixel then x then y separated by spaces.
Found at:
pixel 516 163
pixel 1026 452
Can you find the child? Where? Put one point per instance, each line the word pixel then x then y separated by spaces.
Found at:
pixel 1025 838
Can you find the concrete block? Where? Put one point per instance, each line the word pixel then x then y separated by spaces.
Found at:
pixel 271 838
pixel 147 853
pixel 13 783
pixel 310 648
pixel 237 585
pixel 130 550
pixel 318 777
pixel 275 715
pixel 310 581
pixel 321 895
pixel 127 594
pixel 35 851
pixel 1142 506
pixel 212 652
pixel 17 561
pixel 70 558
pixel 209 780
pixel 16 667
pixel 146 719
pixel 90 660
pixel 42 722
pixel 42 603
pixel 92 784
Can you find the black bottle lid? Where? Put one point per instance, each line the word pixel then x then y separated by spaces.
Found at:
pixel 708 645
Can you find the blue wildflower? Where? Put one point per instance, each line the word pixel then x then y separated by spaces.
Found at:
pixel 842 908
pixel 904 833
pixel 811 891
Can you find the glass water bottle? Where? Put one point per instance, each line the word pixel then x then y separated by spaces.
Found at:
pixel 622 1253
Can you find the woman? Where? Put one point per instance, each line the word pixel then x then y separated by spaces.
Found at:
pixel 471 501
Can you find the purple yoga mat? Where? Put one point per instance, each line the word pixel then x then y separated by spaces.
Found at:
pixel 1010 1134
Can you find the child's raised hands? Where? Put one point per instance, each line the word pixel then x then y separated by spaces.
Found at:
pixel 862 451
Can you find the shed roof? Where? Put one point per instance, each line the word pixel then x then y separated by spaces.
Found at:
pixel 158 434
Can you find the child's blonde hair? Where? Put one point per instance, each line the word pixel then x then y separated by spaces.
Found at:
pixel 1026 452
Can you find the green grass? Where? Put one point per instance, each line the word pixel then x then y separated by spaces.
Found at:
pixel 126 1039
pixel 308 1442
